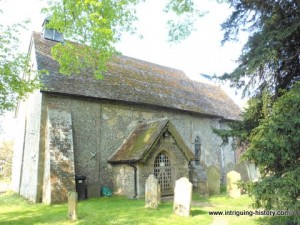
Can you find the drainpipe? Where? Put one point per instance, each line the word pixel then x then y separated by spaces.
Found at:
pixel 135 180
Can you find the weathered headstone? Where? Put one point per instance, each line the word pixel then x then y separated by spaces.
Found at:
pixel 201 180
pixel 202 187
pixel 232 189
pixel 182 197
pixel 152 192
pixel 243 170
pixel 72 205
pixel 213 180
pixel 230 166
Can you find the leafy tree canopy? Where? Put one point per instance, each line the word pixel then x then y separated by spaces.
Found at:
pixel 12 64
pixel 99 25
pixel 269 71
pixel 275 149
pixel 270 58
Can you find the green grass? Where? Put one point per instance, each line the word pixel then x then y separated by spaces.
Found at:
pixel 120 210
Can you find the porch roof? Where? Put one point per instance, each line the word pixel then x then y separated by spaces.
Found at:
pixel 141 141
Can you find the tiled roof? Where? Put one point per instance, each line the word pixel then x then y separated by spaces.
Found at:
pixel 140 142
pixel 136 81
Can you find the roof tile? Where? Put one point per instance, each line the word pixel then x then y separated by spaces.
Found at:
pixel 136 81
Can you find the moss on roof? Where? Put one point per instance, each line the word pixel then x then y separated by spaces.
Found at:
pixel 139 142
pixel 143 139
pixel 136 81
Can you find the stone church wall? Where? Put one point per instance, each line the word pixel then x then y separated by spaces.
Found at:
pixel 26 173
pixel 86 137
pixel 179 163
pixel 99 128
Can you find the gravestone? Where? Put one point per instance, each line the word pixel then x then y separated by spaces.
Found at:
pixel 152 192
pixel 72 205
pixel 233 190
pixel 243 170
pixel 213 180
pixel 182 197
pixel 202 187
pixel 230 166
pixel 202 181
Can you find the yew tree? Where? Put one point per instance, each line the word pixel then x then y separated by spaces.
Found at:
pixel 268 72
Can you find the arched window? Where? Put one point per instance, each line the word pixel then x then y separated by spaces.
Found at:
pixel 163 173
pixel 197 150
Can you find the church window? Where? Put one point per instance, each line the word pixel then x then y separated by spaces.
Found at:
pixel 197 150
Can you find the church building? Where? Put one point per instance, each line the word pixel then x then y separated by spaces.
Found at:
pixel 140 119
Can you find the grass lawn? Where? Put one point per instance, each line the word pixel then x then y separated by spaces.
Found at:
pixel 120 210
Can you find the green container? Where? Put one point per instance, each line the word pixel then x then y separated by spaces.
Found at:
pixel 105 191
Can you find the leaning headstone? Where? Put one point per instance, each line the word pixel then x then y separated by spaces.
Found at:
pixel 72 205
pixel 182 197
pixel 233 190
pixel 152 192
pixel 213 180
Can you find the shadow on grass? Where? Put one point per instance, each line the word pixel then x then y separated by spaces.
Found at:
pixel 197 212
pixel 113 210
pixel 278 220
pixel 33 216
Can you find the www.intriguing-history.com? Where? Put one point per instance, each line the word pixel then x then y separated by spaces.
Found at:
pixel 254 213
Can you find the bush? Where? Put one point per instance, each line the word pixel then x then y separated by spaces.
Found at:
pixel 6 152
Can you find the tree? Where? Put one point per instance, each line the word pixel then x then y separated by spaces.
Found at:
pixel 268 70
pixel 270 58
pixel 12 64
pixel 98 25
pixel 275 149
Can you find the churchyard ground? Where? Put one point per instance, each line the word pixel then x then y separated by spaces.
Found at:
pixel 122 211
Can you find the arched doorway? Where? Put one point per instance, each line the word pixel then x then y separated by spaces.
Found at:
pixel 163 173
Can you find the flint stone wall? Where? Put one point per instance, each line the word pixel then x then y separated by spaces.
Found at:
pixel 100 127
pixel 179 164
pixel 59 172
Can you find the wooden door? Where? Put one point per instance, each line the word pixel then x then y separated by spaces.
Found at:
pixel 163 173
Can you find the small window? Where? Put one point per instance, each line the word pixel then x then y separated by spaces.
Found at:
pixel 197 150
pixel 52 34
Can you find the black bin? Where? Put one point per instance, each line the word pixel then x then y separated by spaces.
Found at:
pixel 80 187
